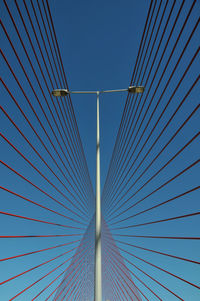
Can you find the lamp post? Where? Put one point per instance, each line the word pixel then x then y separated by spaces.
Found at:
pixel 65 92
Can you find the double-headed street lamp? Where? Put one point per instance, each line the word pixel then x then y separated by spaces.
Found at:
pixel 65 92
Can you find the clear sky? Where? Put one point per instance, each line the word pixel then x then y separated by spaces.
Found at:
pixel 99 43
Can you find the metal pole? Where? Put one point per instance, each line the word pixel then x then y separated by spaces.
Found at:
pixel 98 283
pixel 97 273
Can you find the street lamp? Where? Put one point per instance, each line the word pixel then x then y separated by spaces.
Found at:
pixel 65 92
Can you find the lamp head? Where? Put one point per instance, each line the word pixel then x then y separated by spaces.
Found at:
pixel 60 92
pixel 136 89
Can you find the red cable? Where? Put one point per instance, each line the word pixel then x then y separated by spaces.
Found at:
pixel 6 165
pixel 196 53
pixel 39 220
pixel 163 270
pixel 118 287
pixel 195 82
pixel 35 267
pixel 32 128
pixel 40 236
pixel 168 162
pixel 167 22
pixel 119 257
pixel 77 274
pixel 113 281
pixel 114 290
pixel 63 281
pixel 160 253
pixel 84 286
pixel 69 97
pixel 42 175
pixel 42 93
pixel 159 221
pixel 158 205
pixel 74 282
pixel 38 251
pixel 41 279
pixel 171 54
pixel 146 273
pixel 117 280
pixel 149 277
pixel 114 264
pixel 158 103
pixel 31 124
pixel 74 129
pixel 44 26
pixel 152 278
pixel 160 237
pixel 41 34
pixel 37 204
pixel 161 186
pixel 140 73
pixel 57 276
pixel 145 39
pixel 68 267
pixel 128 277
pixel 45 11
pixel 66 136
pixel 126 103
pixel 77 289
pixel 155 38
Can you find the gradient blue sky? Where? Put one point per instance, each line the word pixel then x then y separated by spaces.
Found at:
pixel 99 42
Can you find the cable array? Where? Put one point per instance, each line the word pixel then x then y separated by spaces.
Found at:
pixel 150 196
pixel 48 183
pixel 150 212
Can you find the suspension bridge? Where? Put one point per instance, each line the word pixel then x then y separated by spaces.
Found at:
pixel 150 196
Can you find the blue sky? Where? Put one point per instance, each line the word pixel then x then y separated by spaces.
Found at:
pixel 108 34
pixel 99 42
